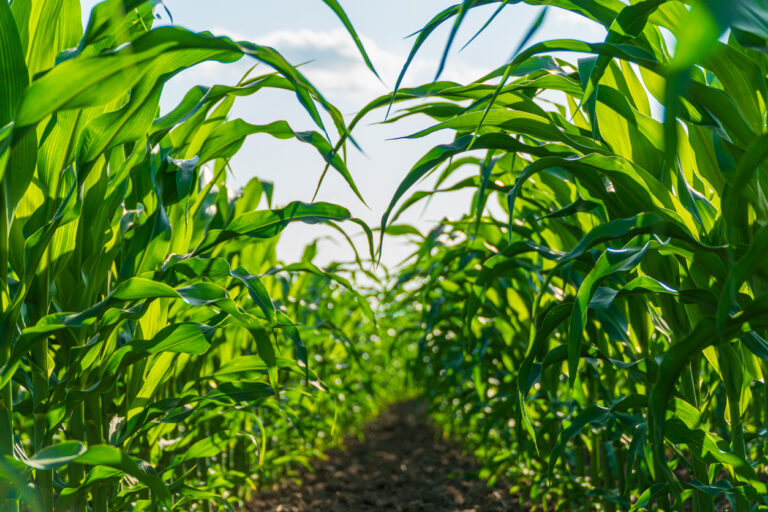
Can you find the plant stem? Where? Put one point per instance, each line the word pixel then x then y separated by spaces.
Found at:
pixel 41 387
pixel 40 383
pixel 95 435
pixel 7 324
pixel 76 471
pixel 702 502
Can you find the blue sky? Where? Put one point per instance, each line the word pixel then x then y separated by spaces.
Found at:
pixel 305 30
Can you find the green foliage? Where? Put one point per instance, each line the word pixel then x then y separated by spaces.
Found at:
pixel 153 352
pixel 594 327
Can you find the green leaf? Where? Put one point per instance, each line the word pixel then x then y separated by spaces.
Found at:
pixel 256 290
pixel 610 262
pixel 336 8
pixel 104 455
pixel 226 140
pixel 57 455
pixel 18 166
pixel 269 223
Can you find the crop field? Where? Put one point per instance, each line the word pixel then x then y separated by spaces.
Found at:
pixel 592 329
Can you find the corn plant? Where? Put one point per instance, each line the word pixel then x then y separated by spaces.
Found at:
pixel 150 345
pixel 594 326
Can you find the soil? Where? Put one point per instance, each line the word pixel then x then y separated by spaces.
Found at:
pixel 401 464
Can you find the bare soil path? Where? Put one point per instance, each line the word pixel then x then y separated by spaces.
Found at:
pixel 401 465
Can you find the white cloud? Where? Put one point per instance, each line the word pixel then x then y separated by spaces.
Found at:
pixel 335 67
pixel 568 24
pixel 328 47
pixel 332 62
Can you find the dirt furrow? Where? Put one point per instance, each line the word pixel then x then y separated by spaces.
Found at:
pixel 400 465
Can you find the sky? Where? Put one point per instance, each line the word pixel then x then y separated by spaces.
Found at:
pixel 307 31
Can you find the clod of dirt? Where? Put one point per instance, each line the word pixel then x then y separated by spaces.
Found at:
pixel 401 465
